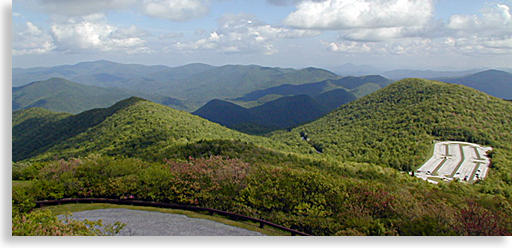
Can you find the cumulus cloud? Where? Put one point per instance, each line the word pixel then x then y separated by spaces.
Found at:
pixel 29 39
pixel 490 32
pixel 244 33
pixel 348 14
pixel 410 47
pixel 93 33
pixel 497 17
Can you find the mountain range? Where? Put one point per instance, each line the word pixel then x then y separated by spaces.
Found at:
pixel 396 125
pixel 350 69
pixel 377 128
pixel 252 99
pixel 337 175
pixel 195 84
pixel 131 126
pixel 493 82
pixel 61 95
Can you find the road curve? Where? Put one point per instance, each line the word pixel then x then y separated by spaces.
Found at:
pixel 149 223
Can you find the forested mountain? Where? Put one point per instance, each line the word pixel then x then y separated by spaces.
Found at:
pixel 233 81
pixel 194 83
pixel 129 127
pixel 154 153
pixel 61 95
pixel 283 112
pixel 493 82
pixel 360 86
pixel 342 174
pixel 98 73
pixel 396 126
pixel 426 74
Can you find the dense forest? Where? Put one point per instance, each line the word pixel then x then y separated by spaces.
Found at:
pixel 343 174
pixel 397 125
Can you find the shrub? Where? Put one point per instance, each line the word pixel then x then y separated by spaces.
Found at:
pixel 43 223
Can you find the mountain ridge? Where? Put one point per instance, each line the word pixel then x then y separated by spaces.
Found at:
pixel 284 112
pixel 129 127
pixel 493 82
pixel 396 125
pixel 61 95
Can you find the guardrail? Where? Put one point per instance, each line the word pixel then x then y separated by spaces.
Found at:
pixel 211 211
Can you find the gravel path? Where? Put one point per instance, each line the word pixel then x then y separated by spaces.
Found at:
pixel 148 223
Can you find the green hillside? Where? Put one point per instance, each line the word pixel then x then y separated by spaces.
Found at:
pixel 127 128
pixel 493 82
pixel 154 153
pixel 396 126
pixel 233 81
pixel 61 95
pixel 284 112
pixel 359 86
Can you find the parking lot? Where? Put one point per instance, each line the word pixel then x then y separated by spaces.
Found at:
pixel 453 159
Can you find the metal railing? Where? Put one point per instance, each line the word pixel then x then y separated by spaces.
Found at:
pixel 211 211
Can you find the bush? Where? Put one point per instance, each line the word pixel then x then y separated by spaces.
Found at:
pixel 43 223
pixel 315 197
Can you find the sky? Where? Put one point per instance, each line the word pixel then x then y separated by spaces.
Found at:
pixel 388 34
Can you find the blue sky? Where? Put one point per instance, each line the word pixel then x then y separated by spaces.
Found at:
pixel 390 34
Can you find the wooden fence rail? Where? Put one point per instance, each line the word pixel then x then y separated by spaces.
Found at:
pixel 211 211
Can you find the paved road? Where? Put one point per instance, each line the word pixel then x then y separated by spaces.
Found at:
pixel 148 223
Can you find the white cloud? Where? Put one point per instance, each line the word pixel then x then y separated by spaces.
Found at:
pixel 490 32
pixel 487 33
pixel 175 10
pixel 29 39
pixel 349 47
pixel 244 33
pixel 93 33
pixel 497 18
pixel 348 14
pixel 406 47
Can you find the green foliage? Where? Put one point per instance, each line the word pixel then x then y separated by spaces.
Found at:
pixel 396 126
pixel 151 152
pixel 133 127
pixel 61 95
pixel 43 223
pixel 22 200
pixel 320 200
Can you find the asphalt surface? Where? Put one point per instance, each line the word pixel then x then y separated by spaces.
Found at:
pixel 453 159
pixel 148 223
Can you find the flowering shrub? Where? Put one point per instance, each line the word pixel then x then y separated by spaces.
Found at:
pixel 199 181
pixel 210 181
pixel 315 199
